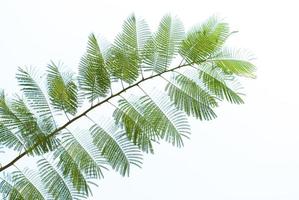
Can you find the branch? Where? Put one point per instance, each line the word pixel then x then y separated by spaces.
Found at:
pixel 85 113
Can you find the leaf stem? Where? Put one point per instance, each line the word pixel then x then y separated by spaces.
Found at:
pixel 57 131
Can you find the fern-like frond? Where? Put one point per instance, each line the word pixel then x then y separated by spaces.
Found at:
pixel 204 40
pixel 206 73
pixel 172 124
pixel 7 116
pixel 9 139
pixel 233 61
pixel 90 165
pixel 30 129
pixel 62 90
pixel 139 130
pixel 94 80
pixel 28 185
pixel 114 145
pixel 165 44
pixel 190 97
pixel 222 85
pixel 28 124
pixel 17 117
pixel 8 189
pixel 35 97
pixel 58 186
pixel 71 169
pixel 125 55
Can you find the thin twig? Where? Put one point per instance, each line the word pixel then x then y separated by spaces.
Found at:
pixel 57 131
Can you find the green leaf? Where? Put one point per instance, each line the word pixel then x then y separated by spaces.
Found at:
pixel 8 189
pixel 138 129
pixel 7 116
pixel 165 44
pixel 203 41
pixel 234 61
pixel 71 169
pixel 9 139
pixel 62 90
pixel 35 97
pixel 189 96
pixel 28 185
pixel 94 80
pixel 222 85
pixel 30 129
pixel 18 119
pixel 171 123
pixel 125 55
pixel 58 186
pixel 116 148
pixel 88 163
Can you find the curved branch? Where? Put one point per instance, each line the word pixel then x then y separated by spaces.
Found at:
pixel 85 112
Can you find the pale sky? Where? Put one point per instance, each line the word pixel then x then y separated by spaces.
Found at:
pixel 249 152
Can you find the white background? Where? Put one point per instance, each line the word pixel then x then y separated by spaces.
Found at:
pixel 249 152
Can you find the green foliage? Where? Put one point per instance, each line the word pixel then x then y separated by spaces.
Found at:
pixel 191 97
pixel 116 148
pixel 164 45
pixel 62 90
pixel 58 186
pixel 125 55
pixel 9 139
pixel 35 96
pixel 234 62
pixel 22 185
pixel 90 165
pixel 8 189
pixel 93 77
pixel 29 185
pixel 195 70
pixel 71 169
pixel 137 125
pixel 170 123
pixel 204 40
pixel 23 125
pixel 222 85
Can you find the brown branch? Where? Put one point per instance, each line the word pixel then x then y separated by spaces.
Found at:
pixel 84 114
